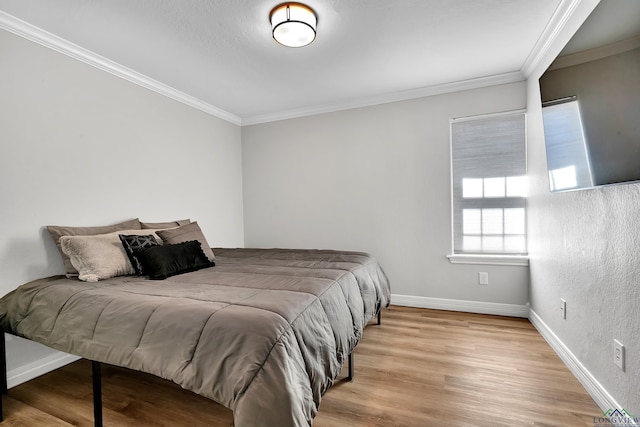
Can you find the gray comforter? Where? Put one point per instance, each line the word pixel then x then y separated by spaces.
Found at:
pixel 265 332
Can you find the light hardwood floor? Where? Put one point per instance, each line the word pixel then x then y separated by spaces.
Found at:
pixel 419 368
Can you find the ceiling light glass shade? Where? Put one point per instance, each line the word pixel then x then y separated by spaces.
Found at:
pixel 293 24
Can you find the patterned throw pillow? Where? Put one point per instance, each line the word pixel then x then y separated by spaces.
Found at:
pixel 132 243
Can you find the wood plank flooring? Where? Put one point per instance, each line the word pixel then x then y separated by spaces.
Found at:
pixel 419 368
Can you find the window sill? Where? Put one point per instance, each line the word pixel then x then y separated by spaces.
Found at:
pixel 515 260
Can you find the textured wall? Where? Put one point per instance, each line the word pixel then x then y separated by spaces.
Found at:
pixel 82 147
pixel 375 179
pixel 584 248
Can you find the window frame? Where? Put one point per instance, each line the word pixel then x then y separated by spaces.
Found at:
pixel 492 258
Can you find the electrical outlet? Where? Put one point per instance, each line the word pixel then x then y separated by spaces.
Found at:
pixel 563 309
pixel 483 278
pixel 618 354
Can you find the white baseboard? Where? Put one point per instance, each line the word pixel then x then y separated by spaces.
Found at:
pixel 42 366
pixel 512 310
pixel 598 393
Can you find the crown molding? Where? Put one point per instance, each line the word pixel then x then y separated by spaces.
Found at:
pixel 440 89
pixel 545 42
pixel 37 35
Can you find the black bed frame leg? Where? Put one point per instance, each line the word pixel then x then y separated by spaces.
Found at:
pixel 96 374
pixel 3 374
pixel 379 316
pixel 351 370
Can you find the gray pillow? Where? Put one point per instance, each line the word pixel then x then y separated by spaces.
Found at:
pixel 186 233
pixel 57 232
pixel 168 224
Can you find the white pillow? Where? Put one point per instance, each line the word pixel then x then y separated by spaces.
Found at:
pixel 101 256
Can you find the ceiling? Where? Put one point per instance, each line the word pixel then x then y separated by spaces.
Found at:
pixel 366 51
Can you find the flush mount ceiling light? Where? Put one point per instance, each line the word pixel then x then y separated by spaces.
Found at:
pixel 293 24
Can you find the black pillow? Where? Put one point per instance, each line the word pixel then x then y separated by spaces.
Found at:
pixel 160 262
pixel 131 243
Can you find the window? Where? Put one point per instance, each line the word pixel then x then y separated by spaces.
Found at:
pixel 567 154
pixel 488 159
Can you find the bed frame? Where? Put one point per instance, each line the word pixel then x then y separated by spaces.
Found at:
pixel 96 375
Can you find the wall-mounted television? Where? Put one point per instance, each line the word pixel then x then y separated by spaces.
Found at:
pixel 591 102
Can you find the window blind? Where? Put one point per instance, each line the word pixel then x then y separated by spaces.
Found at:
pixel 488 159
pixel 567 152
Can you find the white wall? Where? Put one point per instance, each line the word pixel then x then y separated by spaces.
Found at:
pixel 374 179
pixel 584 247
pixel 82 147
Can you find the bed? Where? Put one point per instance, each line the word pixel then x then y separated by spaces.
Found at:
pixel 264 332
